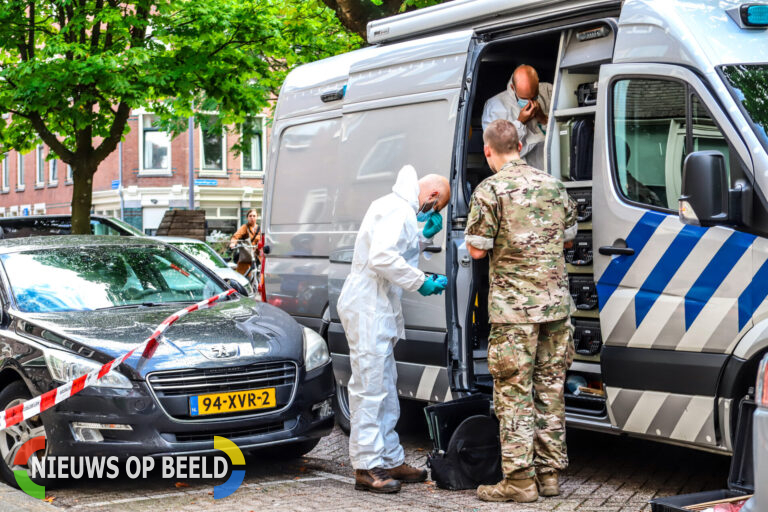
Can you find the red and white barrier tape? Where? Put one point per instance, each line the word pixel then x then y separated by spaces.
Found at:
pixel 35 406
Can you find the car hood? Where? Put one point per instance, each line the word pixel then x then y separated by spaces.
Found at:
pixel 249 331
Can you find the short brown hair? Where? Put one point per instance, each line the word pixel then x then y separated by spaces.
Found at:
pixel 501 136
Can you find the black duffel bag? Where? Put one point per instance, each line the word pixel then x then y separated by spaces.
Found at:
pixel 473 456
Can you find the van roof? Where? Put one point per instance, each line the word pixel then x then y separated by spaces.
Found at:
pixel 678 32
pixel 479 15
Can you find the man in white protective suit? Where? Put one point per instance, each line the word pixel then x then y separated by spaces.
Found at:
pixel 525 103
pixel 384 264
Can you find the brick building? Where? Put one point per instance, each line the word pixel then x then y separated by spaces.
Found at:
pixel 155 177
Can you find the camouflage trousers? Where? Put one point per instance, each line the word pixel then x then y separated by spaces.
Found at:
pixel 528 364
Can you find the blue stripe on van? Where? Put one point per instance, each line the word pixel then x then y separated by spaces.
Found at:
pixel 753 295
pixel 665 268
pixel 619 266
pixel 714 274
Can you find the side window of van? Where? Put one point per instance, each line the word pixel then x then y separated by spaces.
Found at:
pixel 651 137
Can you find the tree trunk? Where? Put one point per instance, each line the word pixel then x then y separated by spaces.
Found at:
pixel 355 14
pixel 82 193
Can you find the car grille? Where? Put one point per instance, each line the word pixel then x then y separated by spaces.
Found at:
pixel 217 380
pixel 208 435
pixel 174 388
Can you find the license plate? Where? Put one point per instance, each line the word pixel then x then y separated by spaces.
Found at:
pixel 233 401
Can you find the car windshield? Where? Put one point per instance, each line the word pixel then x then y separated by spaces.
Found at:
pixel 749 83
pixel 203 253
pixel 130 230
pixel 98 277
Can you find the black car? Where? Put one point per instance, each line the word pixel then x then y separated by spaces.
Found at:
pixel 50 225
pixel 72 303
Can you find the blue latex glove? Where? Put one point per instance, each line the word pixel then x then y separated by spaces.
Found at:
pixel 433 285
pixel 433 226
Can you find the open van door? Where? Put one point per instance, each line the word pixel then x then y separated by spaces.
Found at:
pixel 400 107
pixel 671 295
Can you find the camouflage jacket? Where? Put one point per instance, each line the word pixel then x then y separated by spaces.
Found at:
pixel 520 215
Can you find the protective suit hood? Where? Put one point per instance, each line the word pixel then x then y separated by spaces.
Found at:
pixel 407 186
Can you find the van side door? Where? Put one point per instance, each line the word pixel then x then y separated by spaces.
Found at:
pixel 400 108
pixel 669 293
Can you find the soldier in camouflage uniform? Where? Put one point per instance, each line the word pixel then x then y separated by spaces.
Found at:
pixel 521 217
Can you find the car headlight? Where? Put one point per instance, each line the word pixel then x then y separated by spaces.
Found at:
pixel 315 350
pixel 66 367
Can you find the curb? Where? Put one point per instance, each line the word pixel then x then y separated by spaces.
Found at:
pixel 14 500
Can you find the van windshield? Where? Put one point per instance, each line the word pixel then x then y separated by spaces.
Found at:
pixel 749 83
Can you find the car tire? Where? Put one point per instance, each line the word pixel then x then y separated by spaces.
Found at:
pixel 341 408
pixel 13 437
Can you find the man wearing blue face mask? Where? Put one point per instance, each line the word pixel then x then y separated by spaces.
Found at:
pixel 525 103
pixel 384 263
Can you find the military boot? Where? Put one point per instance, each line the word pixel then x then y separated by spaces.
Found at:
pixel 521 491
pixel 547 483
pixel 375 480
pixel 408 474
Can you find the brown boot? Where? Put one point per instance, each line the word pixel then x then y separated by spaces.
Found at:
pixel 521 491
pixel 375 480
pixel 547 483
pixel 408 474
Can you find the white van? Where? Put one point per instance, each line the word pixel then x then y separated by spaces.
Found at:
pixel 672 317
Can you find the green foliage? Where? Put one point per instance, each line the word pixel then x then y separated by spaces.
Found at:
pixel 67 66
pixel 408 5
pixel 71 71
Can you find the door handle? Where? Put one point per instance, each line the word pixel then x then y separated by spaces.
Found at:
pixel 465 261
pixel 433 249
pixel 608 250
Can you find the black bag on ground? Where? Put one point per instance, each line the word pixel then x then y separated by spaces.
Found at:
pixel 582 136
pixel 473 456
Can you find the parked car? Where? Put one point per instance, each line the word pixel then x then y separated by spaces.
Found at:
pixel 206 255
pixel 46 225
pixel 72 303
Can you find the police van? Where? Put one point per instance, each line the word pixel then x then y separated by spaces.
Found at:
pixel 669 271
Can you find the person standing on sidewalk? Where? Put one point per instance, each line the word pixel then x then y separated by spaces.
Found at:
pixel 384 263
pixel 521 217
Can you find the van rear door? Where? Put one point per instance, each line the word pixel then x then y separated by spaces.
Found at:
pixel 669 293
pixel 400 108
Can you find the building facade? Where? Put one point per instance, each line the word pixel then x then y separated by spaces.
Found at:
pixel 146 176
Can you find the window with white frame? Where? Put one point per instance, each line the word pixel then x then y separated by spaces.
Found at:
pixel 53 171
pixel 155 145
pixel 39 166
pixel 253 145
pixel 19 171
pixel 213 147
pixel 69 173
pixel 6 173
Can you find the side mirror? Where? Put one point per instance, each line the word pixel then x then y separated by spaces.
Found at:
pixel 235 285
pixel 704 199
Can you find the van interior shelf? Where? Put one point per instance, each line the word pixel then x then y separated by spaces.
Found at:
pixel 585 226
pixel 578 111
pixel 577 184
pixel 577 269
pixel 588 313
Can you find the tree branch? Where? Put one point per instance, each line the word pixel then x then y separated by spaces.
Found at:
pixel 49 138
pixel 109 144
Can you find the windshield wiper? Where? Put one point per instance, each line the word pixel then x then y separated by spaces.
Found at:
pixel 144 305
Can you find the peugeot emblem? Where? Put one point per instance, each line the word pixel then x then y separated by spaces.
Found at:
pixel 222 351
